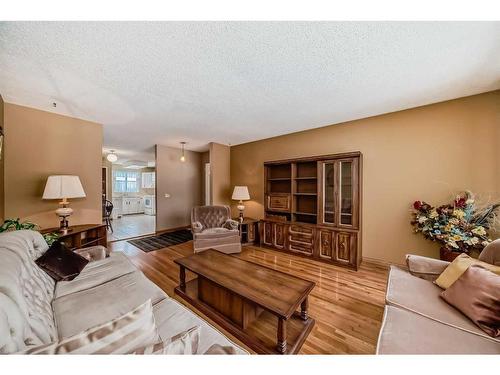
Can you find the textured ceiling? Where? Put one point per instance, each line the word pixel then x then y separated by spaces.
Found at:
pixel 234 82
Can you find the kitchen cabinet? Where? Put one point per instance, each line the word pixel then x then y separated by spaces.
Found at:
pixel 148 180
pixel 127 206
pixel 133 205
pixel 117 207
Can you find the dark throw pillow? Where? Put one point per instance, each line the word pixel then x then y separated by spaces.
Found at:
pixel 60 263
pixel 477 294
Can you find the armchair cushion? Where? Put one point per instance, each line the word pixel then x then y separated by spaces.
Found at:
pixel 197 227
pixel 424 267
pixel 231 224
pixel 217 233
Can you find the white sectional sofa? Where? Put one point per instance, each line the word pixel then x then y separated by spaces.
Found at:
pixel 34 309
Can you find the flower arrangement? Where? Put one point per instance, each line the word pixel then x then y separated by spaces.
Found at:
pixel 460 227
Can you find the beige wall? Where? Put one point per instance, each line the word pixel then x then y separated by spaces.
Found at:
pixel 2 203
pixel 423 153
pixel 182 180
pixel 220 172
pixel 42 144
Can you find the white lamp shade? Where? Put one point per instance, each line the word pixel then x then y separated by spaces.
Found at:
pixel 59 187
pixel 240 193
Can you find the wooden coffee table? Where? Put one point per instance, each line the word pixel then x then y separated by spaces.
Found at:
pixel 256 304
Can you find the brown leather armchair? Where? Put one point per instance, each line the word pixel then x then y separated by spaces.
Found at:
pixel 213 228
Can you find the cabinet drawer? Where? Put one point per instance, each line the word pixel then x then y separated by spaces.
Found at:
pixel 302 238
pixel 302 230
pixel 306 249
pixel 278 202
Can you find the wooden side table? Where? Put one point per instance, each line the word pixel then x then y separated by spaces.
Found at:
pixel 249 231
pixel 82 236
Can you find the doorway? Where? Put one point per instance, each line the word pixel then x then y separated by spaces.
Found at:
pixel 133 190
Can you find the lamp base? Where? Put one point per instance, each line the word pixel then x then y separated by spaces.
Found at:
pixel 241 208
pixel 64 212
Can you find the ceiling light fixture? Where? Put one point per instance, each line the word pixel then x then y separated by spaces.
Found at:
pixel 112 156
pixel 183 157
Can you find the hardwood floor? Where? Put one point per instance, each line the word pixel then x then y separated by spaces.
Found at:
pixel 347 305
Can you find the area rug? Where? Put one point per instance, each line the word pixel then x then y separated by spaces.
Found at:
pixel 161 241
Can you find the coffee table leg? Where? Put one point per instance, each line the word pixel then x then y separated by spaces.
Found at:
pixel 182 278
pixel 303 309
pixel 281 347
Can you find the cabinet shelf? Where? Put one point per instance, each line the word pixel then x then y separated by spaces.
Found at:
pixel 312 194
pixel 279 179
pixel 305 213
pixel 306 178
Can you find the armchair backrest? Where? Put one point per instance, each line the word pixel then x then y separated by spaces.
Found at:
pixel 210 216
pixel 491 253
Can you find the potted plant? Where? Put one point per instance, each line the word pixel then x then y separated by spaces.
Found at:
pixel 460 227
pixel 17 224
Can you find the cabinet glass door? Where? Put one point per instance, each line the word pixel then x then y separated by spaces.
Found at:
pixel 346 192
pixel 328 193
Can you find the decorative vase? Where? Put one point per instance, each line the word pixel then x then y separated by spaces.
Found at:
pixel 448 255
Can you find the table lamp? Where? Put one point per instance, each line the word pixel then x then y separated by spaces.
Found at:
pixel 63 187
pixel 240 193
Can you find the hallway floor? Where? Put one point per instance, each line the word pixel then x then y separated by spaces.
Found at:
pixel 129 226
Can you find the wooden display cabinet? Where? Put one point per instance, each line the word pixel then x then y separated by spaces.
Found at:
pixel 313 207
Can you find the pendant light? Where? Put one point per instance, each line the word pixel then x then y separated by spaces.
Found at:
pixel 112 156
pixel 183 157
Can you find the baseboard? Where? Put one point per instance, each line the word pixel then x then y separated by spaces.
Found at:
pixel 172 229
pixel 382 263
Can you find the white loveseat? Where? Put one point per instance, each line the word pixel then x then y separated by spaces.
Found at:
pixel 34 309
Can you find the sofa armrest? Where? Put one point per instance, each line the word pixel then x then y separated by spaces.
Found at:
pixel 92 253
pixel 424 267
pixel 231 224
pixel 196 227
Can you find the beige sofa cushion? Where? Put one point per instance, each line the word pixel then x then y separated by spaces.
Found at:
pixel 79 311
pixel 456 268
pixel 27 292
pixel 404 332
pixel 173 318
pixel 122 335
pixel 96 273
pixel 184 343
pixel 424 267
pixel 423 297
